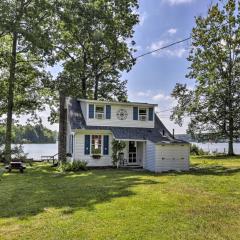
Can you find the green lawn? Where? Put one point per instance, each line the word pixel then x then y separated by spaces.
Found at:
pixel 118 204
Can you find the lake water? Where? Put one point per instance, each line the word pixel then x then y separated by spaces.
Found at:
pixel 37 150
pixel 219 147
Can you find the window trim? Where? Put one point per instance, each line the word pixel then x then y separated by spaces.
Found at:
pixel 101 148
pixel 104 111
pixel 146 115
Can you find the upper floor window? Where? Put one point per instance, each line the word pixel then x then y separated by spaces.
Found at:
pixel 96 147
pixel 142 114
pixel 99 112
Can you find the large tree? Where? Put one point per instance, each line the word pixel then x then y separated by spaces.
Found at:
pixel 213 105
pixel 92 45
pixel 24 32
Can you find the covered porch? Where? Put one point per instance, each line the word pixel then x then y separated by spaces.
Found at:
pixel 133 154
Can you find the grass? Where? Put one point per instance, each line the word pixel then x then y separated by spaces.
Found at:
pixel 43 203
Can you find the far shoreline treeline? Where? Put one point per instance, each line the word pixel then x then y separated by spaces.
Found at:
pixel 30 134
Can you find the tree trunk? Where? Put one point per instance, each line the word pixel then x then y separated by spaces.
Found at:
pixel 230 148
pixel 84 88
pixel 96 88
pixel 230 143
pixel 8 136
pixel 84 79
pixel 62 129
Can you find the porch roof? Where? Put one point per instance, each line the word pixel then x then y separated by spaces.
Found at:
pixel 77 121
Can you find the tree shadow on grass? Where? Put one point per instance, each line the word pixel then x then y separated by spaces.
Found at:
pixel 198 169
pixel 41 188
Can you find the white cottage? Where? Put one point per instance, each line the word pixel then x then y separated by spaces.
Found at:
pixel 92 125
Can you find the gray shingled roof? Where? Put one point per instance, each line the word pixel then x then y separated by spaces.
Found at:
pixel 155 134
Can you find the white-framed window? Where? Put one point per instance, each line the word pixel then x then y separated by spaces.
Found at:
pixel 99 111
pixel 96 144
pixel 142 113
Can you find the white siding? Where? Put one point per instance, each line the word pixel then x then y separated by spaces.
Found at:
pixel 140 152
pixel 149 161
pixel 105 160
pixel 129 122
pixel 172 157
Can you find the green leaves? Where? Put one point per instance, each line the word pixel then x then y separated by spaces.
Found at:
pixel 213 105
pixel 92 44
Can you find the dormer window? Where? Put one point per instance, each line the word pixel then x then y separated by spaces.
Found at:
pixel 142 114
pixel 99 112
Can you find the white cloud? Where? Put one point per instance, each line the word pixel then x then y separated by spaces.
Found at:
pixel 172 31
pixel 142 18
pixel 174 51
pixel 161 96
pixel 144 94
pixel 151 95
pixel 177 2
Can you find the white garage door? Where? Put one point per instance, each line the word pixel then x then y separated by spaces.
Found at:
pixel 172 157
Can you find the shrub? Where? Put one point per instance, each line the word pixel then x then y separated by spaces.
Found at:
pixel 117 147
pixel 195 150
pixel 74 166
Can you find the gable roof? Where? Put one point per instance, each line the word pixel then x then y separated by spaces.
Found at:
pixel 155 134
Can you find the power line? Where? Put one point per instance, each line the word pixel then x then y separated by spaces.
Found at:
pixel 172 44
pixel 165 110
pixel 161 48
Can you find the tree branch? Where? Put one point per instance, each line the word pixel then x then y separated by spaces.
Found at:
pixel 29 61
pixel 66 52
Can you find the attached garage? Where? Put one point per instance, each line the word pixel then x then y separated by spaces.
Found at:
pixel 162 157
pixel 172 157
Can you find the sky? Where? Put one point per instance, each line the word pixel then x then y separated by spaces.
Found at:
pixel 154 76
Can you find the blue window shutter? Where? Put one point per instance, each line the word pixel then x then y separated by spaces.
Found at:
pixel 150 114
pixel 108 111
pixel 91 111
pixel 105 145
pixel 87 145
pixel 135 113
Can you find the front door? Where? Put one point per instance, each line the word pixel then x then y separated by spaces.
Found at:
pixel 132 156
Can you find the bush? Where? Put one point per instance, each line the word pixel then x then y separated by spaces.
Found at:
pixel 117 147
pixel 195 150
pixel 74 166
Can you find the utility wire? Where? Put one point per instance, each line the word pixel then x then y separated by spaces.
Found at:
pixel 172 44
pixel 165 110
pixel 161 48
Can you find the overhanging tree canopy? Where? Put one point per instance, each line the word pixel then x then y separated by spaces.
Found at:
pixel 25 28
pixel 213 105
pixel 92 44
